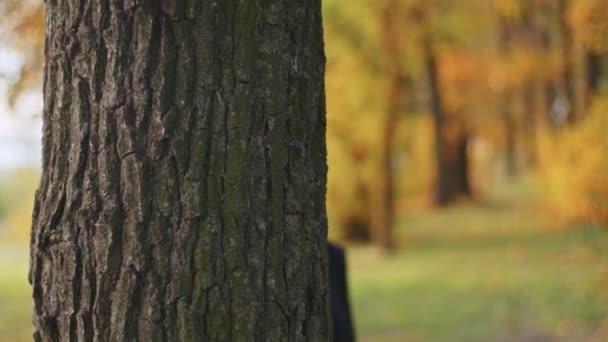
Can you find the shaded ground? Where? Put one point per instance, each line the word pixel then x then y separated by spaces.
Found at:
pixel 487 272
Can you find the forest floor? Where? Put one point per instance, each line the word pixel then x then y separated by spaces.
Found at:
pixel 489 271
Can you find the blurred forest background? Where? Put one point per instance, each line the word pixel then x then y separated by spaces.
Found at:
pixel 468 166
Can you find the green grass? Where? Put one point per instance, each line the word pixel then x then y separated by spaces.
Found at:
pixel 16 191
pixel 15 294
pixel 483 272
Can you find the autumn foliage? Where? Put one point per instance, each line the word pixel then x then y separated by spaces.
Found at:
pixel 521 90
pixel 520 82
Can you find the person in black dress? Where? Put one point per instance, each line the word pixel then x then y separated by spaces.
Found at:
pixel 343 328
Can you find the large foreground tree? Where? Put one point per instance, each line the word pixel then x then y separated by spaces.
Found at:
pixel 183 192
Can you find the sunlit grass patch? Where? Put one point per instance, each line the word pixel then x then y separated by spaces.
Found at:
pixel 472 273
pixel 15 295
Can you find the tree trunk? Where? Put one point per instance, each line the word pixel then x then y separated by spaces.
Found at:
pixel 510 127
pixel 594 71
pixel 506 102
pixel 533 107
pixel 573 60
pixel 453 181
pixel 384 214
pixel 183 192
pixel 451 143
pixel 580 80
pixel 539 120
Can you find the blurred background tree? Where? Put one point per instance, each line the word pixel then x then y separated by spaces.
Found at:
pixel 494 80
pixel 22 27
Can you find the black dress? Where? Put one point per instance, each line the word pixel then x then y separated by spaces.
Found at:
pixel 343 328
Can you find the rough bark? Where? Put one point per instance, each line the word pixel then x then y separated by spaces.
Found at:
pixel 451 142
pixel 184 171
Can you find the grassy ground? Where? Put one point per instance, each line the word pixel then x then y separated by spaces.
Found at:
pixel 477 272
pixel 15 302
pixel 484 272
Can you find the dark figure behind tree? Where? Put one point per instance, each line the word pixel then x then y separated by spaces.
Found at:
pixel 343 328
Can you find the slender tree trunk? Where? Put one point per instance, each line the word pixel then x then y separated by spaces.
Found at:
pixel 534 104
pixel 537 121
pixel 453 182
pixel 506 102
pixel 183 192
pixel 580 80
pixel 573 66
pixel 510 129
pixel 581 68
pixel 461 185
pixel 594 71
pixel 384 214
pixel 451 143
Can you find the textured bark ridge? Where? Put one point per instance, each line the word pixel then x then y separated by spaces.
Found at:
pixel 183 193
